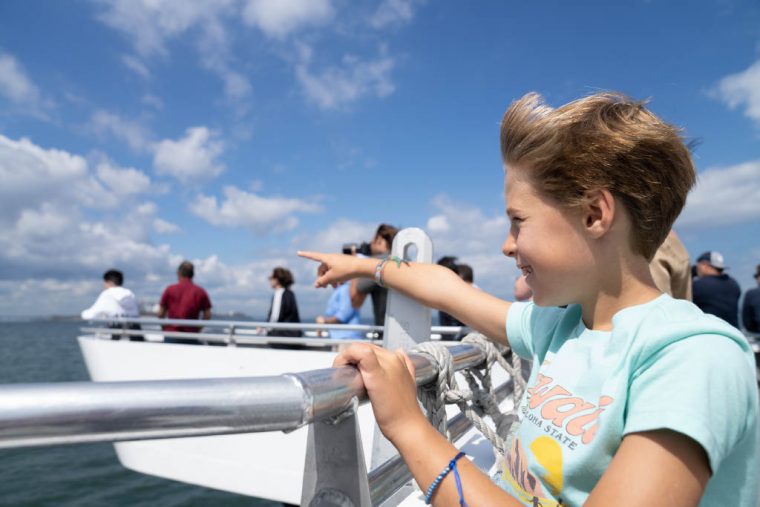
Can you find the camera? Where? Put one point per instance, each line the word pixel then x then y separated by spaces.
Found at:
pixel 359 248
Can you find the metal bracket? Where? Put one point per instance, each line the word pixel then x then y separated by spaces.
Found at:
pixel 407 323
pixel 335 474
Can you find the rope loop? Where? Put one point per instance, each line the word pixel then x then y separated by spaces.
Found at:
pixel 479 400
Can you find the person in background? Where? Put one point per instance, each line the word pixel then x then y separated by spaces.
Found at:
pixel 114 302
pixel 283 307
pixel 671 268
pixel 465 273
pixel 751 306
pixel 444 319
pixel 523 291
pixel 714 291
pixel 360 288
pixel 184 300
pixel 340 311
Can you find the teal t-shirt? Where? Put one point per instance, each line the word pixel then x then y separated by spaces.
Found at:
pixel 665 364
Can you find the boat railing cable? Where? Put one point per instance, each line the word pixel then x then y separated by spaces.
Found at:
pixel 243 332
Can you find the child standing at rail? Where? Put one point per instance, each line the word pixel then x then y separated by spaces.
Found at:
pixel 634 398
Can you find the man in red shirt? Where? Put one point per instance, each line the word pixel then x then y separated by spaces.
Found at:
pixel 184 300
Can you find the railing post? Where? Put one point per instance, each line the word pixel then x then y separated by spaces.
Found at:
pixel 407 323
pixel 335 474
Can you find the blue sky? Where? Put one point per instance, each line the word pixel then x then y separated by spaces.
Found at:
pixel 136 133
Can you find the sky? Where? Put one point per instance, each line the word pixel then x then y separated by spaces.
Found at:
pixel 138 133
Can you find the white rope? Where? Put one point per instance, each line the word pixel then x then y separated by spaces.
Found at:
pixel 479 400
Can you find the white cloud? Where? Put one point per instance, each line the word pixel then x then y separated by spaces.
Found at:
pixel 278 18
pixel 336 87
pixel 123 180
pixel 723 196
pixel 438 223
pixel 333 237
pixel 54 247
pixel 151 24
pixel 191 158
pixel 257 213
pixel 30 174
pixel 153 101
pixel 136 65
pixel 161 226
pixel 18 89
pixel 466 232
pixel 14 83
pixel 742 89
pixel 133 133
pixel 47 203
pixel 393 12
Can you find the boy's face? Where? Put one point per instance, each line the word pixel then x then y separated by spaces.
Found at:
pixel 548 243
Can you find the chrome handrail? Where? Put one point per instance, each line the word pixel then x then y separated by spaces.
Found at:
pixel 76 412
pixel 304 326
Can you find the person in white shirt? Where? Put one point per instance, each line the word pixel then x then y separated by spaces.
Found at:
pixel 114 302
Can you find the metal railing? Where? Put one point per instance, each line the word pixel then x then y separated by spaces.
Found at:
pixel 245 332
pixel 78 412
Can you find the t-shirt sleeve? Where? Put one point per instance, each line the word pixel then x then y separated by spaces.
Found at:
pixel 518 329
pixel 530 328
pixel 205 301
pixel 702 387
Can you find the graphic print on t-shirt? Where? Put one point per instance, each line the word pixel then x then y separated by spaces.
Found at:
pixel 554 423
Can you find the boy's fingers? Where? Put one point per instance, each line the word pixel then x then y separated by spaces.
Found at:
pixel 359 354
pixel 408 361
pixel 315 256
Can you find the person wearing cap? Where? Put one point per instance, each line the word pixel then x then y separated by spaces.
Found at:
pixel 751 306
pixel 714 291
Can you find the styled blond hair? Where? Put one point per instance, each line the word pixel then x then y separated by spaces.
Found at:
pixel 604 141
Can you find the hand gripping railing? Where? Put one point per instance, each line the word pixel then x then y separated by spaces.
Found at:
pixel 77 412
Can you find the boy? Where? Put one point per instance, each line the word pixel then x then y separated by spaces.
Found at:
pixel 634 398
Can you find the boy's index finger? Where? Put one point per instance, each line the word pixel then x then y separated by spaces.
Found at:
pixel 314 256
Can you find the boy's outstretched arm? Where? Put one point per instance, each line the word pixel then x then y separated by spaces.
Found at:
pixel 432 285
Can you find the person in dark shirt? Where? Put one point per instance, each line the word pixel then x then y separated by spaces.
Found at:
pixel 283 307
pixel 184 300
pixel 714 291
pixel 751 307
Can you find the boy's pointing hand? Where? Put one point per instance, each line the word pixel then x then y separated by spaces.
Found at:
pixel 334 269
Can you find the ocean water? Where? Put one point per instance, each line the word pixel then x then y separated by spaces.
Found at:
pixel 81 475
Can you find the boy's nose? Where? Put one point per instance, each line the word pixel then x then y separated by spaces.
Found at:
pixel 509 248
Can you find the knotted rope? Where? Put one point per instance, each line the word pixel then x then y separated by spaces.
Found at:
pixel 480 399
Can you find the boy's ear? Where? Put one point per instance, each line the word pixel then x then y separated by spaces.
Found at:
pixel 599 212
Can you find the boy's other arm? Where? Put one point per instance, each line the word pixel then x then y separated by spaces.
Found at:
pixel 661 467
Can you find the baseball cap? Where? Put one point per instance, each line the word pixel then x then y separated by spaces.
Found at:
pixel 714 259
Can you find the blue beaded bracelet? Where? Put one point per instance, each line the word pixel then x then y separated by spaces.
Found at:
pixel 451 466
